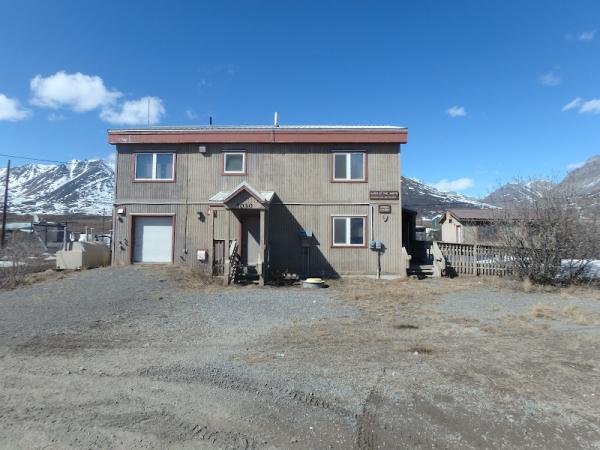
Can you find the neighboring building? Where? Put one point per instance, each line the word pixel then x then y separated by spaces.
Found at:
pixel 296 199
pixel 470 226
pixel 51 234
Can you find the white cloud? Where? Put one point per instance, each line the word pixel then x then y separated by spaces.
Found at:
pixel 586 36
pixel 459 184
pixel 456 111
pixel 572 104
pixel 191 115
pixel 55 117
pixel 574 166
pixel 591 106
pixel 76 91
pixel 204 83
pixel 550 79
pixel 11 109
pixel 584 107
pixel 146 110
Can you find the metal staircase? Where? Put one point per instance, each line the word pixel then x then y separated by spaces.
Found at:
pixel 234 263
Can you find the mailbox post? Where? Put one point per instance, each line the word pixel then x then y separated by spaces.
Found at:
pixel 378 247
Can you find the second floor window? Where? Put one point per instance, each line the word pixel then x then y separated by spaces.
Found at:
pixel 234 163
pixel 349 166
pixel 155 166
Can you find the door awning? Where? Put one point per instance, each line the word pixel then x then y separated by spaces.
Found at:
pixel 243 196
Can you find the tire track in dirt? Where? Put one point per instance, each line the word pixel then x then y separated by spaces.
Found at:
pixel 160 423
pixel 171 428
pixel 366 423
pixel 226 380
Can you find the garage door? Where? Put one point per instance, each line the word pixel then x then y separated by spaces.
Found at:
pixel 153 239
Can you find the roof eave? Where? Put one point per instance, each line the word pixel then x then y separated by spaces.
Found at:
pixel 167 136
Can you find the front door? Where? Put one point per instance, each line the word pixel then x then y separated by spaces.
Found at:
pixel 250 239
pixel 459 234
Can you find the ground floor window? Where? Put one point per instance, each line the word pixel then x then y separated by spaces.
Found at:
pixel 348 231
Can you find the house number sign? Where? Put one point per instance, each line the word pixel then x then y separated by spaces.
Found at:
pixel 384 195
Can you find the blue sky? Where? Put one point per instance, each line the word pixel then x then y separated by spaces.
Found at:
pixel 488 90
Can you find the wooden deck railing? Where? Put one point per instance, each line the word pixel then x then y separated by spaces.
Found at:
pixel 472 259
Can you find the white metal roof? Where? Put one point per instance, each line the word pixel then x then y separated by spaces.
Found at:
pixel 222 196
pixel 257 127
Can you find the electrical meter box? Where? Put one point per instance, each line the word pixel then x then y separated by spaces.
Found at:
pixel 306 238
pixel 202 255
pixel 375 245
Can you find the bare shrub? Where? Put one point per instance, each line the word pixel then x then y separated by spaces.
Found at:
pixel 14 258
pixel 548 240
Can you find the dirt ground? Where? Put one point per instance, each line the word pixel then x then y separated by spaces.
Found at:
pixel 142 357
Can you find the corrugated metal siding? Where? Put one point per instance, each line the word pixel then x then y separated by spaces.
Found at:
pixel 297 174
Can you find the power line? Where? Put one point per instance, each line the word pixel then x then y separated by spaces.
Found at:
pixel 29 158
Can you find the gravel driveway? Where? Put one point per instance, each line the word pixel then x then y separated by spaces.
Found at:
pixel 127 358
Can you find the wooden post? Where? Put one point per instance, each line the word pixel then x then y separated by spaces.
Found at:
pixel 211 237
pixel 3 239
pixel 226 263
pixel 261 249
pixel 475 260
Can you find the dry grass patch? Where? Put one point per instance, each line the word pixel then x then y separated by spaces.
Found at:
pixel 568 313
pixel 588 291
pixel 189 278
pixel 368 292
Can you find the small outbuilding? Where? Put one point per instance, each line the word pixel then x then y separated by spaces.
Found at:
pixel 470 226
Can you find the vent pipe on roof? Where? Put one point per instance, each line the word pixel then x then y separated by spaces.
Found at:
pixel 276 120
pixel 210 120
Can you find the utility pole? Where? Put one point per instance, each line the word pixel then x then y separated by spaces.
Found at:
pixel 3 241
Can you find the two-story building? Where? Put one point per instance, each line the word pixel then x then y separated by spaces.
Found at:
pixel 305 200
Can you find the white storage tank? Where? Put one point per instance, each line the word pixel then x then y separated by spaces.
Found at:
pixel 83 255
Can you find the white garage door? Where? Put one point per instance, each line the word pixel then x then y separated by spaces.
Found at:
pixel 153 239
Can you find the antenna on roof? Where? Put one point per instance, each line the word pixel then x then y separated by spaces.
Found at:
pixel 210 120
pixel 148 111
pixel 276 120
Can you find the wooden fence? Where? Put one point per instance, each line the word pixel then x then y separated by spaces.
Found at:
pixel 469 259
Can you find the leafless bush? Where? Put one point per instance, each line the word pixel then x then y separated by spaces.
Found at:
pixel 548 240
pixel 14 258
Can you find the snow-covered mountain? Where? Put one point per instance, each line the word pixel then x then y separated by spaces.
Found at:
pixel 428 201
pixel 84 187
pixel 585 180
pixel 581 184
pixel 519 193
pixel 87 186
pixel 584 184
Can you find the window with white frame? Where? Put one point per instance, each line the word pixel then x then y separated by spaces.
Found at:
pixel 348 231
pixel 234 163
pixel 349 166
pixel 155 166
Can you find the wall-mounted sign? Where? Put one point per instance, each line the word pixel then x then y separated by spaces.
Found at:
pixel 384 195
pixel 385 209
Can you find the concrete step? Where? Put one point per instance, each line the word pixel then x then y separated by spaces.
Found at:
pixel 422 269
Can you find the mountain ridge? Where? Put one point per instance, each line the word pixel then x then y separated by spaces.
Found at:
pixel 78 186
pixel 87 187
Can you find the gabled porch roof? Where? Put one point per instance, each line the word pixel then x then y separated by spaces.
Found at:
pixel 263 197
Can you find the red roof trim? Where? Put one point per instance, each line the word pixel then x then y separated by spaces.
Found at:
pixel 260 136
